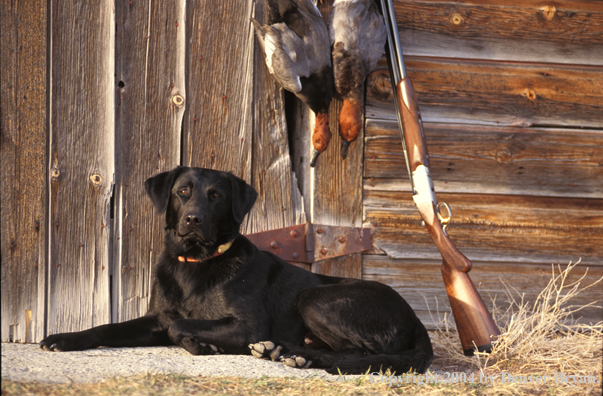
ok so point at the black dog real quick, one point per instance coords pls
(214, 291)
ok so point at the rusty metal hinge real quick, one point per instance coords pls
(308, 243)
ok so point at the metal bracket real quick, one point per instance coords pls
(308, 243)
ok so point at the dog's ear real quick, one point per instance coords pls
(159, 188)
(243, 198)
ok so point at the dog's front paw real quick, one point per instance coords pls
(49, 344)
(63, 342)
(265, 350)
(295, 361)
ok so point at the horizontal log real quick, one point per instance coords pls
(420, 283)
(492, 228)
(491, 160)
(504, 210)
(535, 31)
(495, 93)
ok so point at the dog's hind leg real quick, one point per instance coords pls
(366, 324)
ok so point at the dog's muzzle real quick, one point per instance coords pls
(194, 229)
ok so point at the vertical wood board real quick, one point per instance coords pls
(23, 167)
(337, 187)
(150, 100)
(81, 163)
(279, 203)
(218, 123)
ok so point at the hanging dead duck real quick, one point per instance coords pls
(358, 39)
(297, 51)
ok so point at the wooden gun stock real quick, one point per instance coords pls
(475, 325)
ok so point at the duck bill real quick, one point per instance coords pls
(345, 145)
(320, 137)
(314, 157)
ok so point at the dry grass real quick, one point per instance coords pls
(537, 340)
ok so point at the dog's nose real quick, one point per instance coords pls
(194, 219)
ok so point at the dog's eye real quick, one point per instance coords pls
(215, 195)
(183, 191)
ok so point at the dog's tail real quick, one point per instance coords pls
(417, 359)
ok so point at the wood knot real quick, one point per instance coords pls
(55, 173)
(456, 19)
(549, 12)
(96, 179)
(178, 100)
(380, 86)
(503, 157)
(530, 94)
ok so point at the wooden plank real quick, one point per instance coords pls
(300, 123)
(81, 163)
(218, 126)
(493, 227)
(495, 93)
(336, 196)
(236, 119)
(527, 31)
(279, 203)
(491, 160)
(151, 100)
(23, 167)
(420, 283)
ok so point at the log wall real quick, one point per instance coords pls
(511, 96)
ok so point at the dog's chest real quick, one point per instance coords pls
(195, 296)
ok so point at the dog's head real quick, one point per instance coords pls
(203, 207)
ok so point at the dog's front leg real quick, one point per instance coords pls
(208, 337)
(145, 331)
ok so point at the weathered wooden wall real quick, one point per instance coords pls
(511, 95)
(127, 89)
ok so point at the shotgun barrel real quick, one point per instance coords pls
(475, 325)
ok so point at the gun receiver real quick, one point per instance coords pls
(475, 325)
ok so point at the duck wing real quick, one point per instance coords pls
(304, 18)
(285, 52)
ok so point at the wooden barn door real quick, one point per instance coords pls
(97, 96)
(126, 90)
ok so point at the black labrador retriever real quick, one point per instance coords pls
(215, 292)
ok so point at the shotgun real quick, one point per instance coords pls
(475, 325)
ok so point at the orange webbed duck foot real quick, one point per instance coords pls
(350, 124)
(320, 137)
